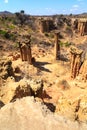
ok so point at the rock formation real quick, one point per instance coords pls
(57, 47)
(26, 114)
(75, 109)
(13, 90)
(75, 61)
(29, 55)
(82, 27)
(25, 50)
(46, 25)
(36, 86)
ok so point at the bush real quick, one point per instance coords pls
(16, 45)
(7, 35)
(46, 34)
(64, 44)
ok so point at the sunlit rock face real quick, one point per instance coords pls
(26, 113)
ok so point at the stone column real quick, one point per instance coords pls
(72, 63)
(24, 52)
(21, 50)
(43, 26)
(29, 54)
(57, 47)
(75, 61)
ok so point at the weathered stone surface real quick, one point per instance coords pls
(46, 25)
(67, 108)
(6, 69)
(26, 114)
(13, 90)
(75, 61)
(82, 113)
(73, 109)
(22, 90)
(36, 87)
(82, 27)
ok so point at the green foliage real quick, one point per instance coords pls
(64, 44)
(3, 32)
(16, 45)
(7, 35)
(68, 28)
(50, 35)
(46, 34)
(11, 26)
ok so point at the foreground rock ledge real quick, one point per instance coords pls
(26, 114)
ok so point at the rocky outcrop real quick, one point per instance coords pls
(82, 27)
(82, 113)
(67, 108)
(75, 61)
(46, 25)
(13, 90)
(73, 109)
(6, 69)
(36, 87)
(26, 114)
(22, 90)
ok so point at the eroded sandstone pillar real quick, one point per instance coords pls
(20, 50)
(57, 47)
(29, 54)
(75, 61)
(24, 52)
(82, 27)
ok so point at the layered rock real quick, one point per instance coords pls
(82, 27)
(75, 61)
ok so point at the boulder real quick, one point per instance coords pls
(26, 114)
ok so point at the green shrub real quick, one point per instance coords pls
(64, 44)
(51, 35)
(11, 26)
(7, 35)
(2, 32)
(46, 34)
(16, 45)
